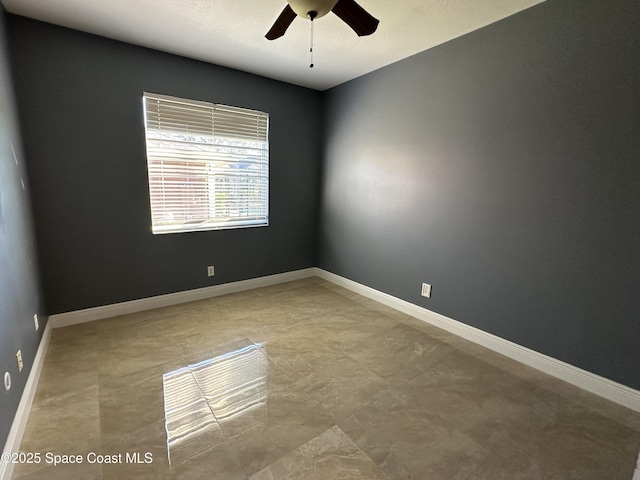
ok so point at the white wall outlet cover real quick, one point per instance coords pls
(19, 358)
(35, 321)
(210, 271)
(426, 290)
(7, 381)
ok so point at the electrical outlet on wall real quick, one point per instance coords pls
(19, 358)
(426, 290)
(35, 321)
(210, 271)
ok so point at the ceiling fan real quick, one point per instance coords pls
(348, 10)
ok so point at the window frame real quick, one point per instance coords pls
(207, 165)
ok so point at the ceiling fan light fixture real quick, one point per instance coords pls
(321, 7)
(356, 17)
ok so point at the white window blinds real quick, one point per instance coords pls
(208, 165)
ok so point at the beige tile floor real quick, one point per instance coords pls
(306, 380)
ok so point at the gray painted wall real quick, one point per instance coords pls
(503, 168)
(20, 295)
(80, 98)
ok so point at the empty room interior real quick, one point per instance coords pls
(418, 259)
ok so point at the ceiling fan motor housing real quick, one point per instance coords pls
(303, 7)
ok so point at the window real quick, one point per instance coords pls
(208, 165)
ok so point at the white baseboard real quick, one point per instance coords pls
(107, 311)
(26, 400)
(591, 382)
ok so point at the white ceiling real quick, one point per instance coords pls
(231, 32)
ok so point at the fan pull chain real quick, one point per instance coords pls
(312, 15)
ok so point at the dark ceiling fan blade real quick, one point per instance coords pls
(282, 23)
(356, 17)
